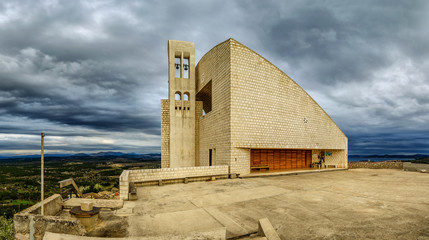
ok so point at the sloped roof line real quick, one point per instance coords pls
(235, 41)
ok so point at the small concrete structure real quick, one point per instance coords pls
(86, 206)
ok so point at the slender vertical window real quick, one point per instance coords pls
(177, 96)
(186, 68)
(177, 66)
(186, 96)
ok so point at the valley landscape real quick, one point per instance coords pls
(20, 176)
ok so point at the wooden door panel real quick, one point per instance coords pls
(264, 157)
(277, 159)
(293, 159)
(298, 159)
(281, 158)
(270, 158)
(308, 159)
(288, 159)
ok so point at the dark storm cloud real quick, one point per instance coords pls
(338, 41)
(91, 73)
(82, 94)
(391, 141)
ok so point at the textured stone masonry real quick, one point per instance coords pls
(377, 165)
(142, 175)
(249, 104)
(255, 105)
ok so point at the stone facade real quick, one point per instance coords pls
(165, 133)
(178, 112)
(244, 102)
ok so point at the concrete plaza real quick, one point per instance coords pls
(352, 204)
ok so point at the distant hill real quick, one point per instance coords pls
(399, 156)
(89, 155)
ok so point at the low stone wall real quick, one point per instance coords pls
(124, 185)
(51, 206)
(35, 226)
(157, 174)
(416, 167)
(29, 224)
(377, 165)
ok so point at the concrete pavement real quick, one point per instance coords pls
(358, 203)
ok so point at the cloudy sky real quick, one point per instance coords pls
(91, 74)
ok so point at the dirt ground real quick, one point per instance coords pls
(352, 204)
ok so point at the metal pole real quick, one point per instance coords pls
(41, 169)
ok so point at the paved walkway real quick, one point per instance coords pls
(353, 204)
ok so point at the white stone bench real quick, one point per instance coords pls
(334, 165)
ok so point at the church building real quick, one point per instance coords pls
(235, 108)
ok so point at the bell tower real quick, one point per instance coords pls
(178, 141)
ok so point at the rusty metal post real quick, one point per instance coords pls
(41, 169)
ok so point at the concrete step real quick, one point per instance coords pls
(233, 229)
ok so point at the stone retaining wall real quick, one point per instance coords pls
(129, 176)
(377, 165)
(124, 185)
(416, 167)
(29, 224)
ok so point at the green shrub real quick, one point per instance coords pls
(6, 228)
(84, 189)
(421, 160)
(98, 187)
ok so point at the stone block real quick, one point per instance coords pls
(265, 229)
(86, 206)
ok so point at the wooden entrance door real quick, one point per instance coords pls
(277, 159)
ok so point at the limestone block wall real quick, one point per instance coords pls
(256, 105)
(171, 173)
(269, 110)
(198, 114)
(215, 126)
(165, 133)
(240, 162)
(132, 176)
(338, 157)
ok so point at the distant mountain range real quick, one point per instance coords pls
(158, 156)
(399, 156)
(86, 155)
